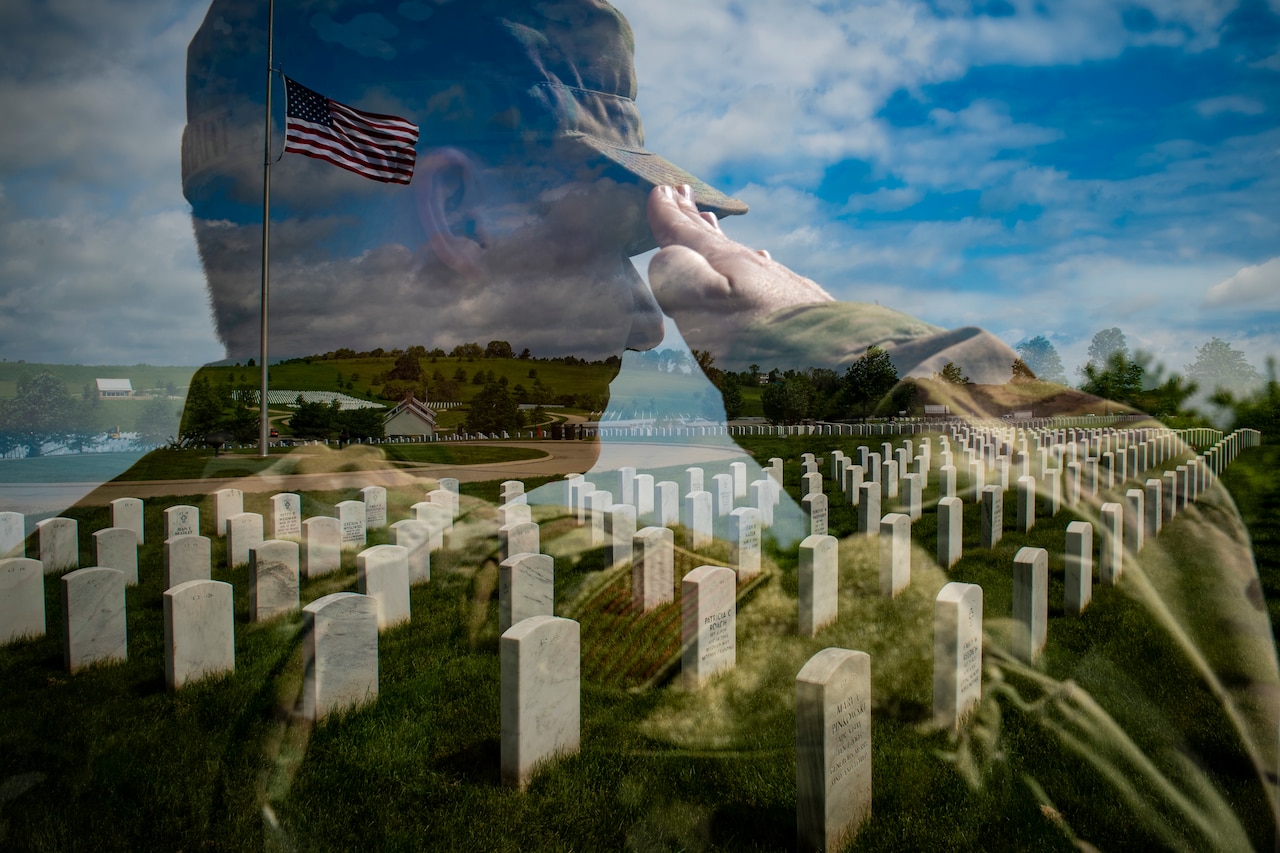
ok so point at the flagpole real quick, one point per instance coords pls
(264, 426)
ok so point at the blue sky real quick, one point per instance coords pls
(1033, 168)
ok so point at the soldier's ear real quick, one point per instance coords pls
(447, 198)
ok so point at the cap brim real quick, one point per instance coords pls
(657, 171)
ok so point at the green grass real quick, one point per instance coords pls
(109, 760)
(144, 377)
(201, 464)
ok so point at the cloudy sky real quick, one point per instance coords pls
(1033, 168)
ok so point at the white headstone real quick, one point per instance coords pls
(746, 539)
(526, 588)
(627, 485)
(957, 654)
(668, 503)
(449, 501)
(12, 535)
(895, 553)
(187, 558)
(721, 496)
(760, 496)
(436, 517)
(59, 544)
(382, 573)
(819, 576)
(913, 494)
(697, 518)
(339, 653)
(125, 512)
(693, 480)
(117, 548)
(599, 504)
(622, 529)
(243, 531)
(449, 484)
(869, 510)
(183, 520)
(653, 569)
(950, 531)
(541, 665)
(1073, 483)
(321, 551)
(199, 631)
(510, 489)
(1030, 603)
(810, 484)
(947, 481)
(852, 484)
(21, 599)
(992, 528)
(833, 749)
(1053, 490)
(738, 470)
(1111, 547)
(226, 503)
(1079, 569)
(708, 619)
(524, 537)
(1155, 517)
(644, 495)
(816, 506)
(273, 576)
(414, 537)
(351, 521)
(286, 516)
(93, 620)
(888, 480)
(1026, 503)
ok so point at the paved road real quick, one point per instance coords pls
(563, 457)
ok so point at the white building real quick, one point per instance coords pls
(410, 417)
(114, 388)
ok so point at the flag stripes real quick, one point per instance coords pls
(377, 146)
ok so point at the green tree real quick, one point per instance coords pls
(788, 401)
(1021, 372)
(492, 410)
(361, 423)
(158, 421)
(1218, 367)
(732, 394)
(42, 411)
(1258, 410)
(203, 411)
(407, 368)
(1042, 358)
(312, 420)
(951, 374)
(1119, 379)
(499, 349)
(1106, 344)
(868, 380)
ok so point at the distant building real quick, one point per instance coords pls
(114, 388)
(411, 417)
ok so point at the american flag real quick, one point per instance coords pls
(376, 146)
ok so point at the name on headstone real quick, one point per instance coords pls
(708, 619)
(833, 749)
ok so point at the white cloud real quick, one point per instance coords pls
(1251, 287)
(1230, 104)
(94, 289)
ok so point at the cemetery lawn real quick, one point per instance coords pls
(202, 464)
(109, 760)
